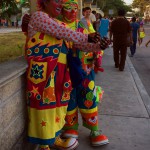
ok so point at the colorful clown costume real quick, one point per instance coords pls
(84, 95)
(48, 80)
(47, 97)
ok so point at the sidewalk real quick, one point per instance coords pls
(124, 114)
(9, 29)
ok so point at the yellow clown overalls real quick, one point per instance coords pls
(48, 88)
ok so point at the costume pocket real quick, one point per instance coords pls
(67, 87)
(37, 71)
(67, 81)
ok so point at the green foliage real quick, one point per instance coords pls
(11, 7)
(140, 4)
(105, 5)
(8, 7)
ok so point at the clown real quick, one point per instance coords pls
(48, 80)
(83, 96)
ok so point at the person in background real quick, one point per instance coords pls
(135, 34)
(48, 81)
(142, 33)
(83, 11)
(86, 21)
(92, 16)
(96, 24)
(147, 43)
(120, 29)
(110, 21)
(84, 93)
(104, 27)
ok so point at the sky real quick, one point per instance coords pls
(128, 1)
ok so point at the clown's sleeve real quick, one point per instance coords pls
(87, 47)
(41, 22)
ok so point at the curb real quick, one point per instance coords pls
(142, 91)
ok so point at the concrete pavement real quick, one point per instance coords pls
(124, 114)
(9, 29)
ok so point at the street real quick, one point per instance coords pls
(141, 61)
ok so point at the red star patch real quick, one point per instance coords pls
(43, 123)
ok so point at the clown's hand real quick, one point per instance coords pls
(104, 43)
(94, 37)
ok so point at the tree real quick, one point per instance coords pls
(141, 4)
(11, 7)
(105, 5)
(8, 7)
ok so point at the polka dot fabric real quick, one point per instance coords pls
(41, 22)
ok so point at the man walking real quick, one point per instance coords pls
(135, 30)
(120, 29)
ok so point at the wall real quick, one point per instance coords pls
(13, 112)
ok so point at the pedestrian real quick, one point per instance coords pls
(104, 27)
(96, 24)
(48, 82)
(86, 21)
(147, 43)
(135, 35)
(120, 29)
(16, 23)
(142, 33)
(83, 95)
(93, 16)
(110, 21)
(82, 12)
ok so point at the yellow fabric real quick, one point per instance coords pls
(47, 39)
(71, 112)
(142, 34)
(44, 121)
(91, 29)
(89, 110)
(91, 85)
(62, 58)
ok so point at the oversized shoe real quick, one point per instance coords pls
(70, 134)
(65, 144)
(44, 148)
(98, 139)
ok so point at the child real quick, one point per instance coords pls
(142, 33)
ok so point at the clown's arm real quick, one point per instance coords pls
(41, 22)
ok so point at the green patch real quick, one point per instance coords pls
(11, 45)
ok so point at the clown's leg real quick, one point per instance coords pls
(71, 127)
(90, 121)
(88, 108)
